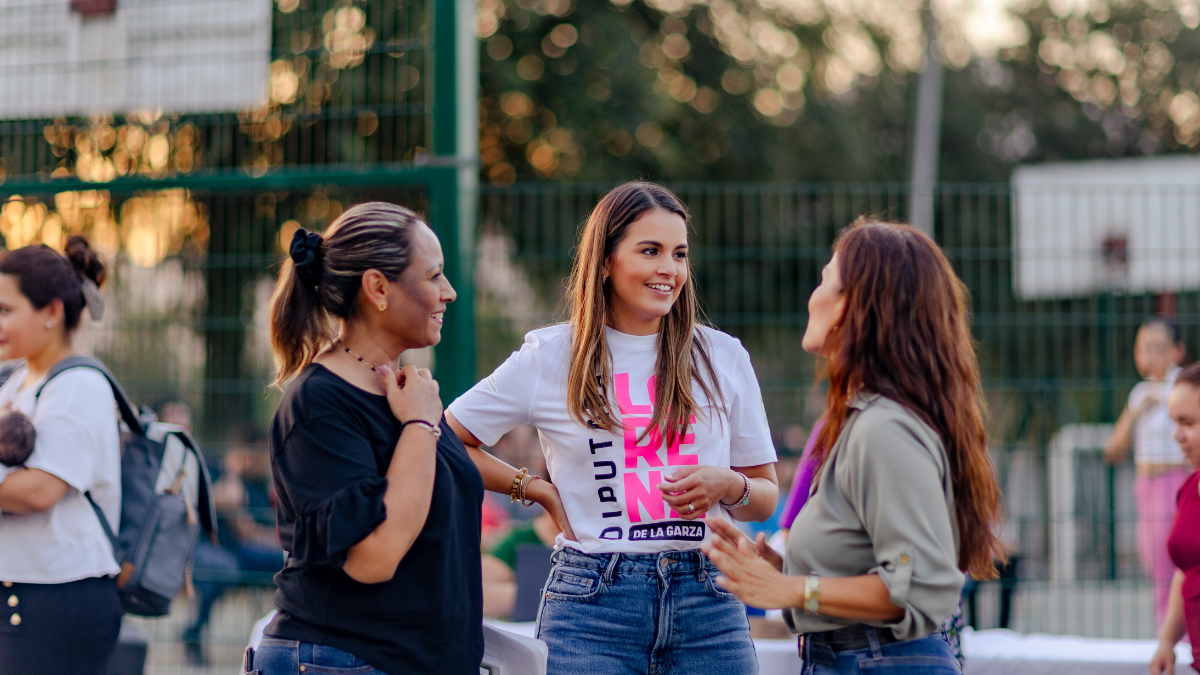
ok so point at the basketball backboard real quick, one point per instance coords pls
(1125, 226)
(64, 59)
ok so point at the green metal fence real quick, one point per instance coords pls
(192, 327)
(1055, 368)
(366, 99)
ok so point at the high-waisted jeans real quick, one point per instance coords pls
(930, 655)
(278, 656)
(642, 614)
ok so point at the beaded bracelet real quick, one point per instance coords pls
(745, 495)
(525, 486)
(428, 426)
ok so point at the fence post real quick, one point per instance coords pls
(453, 190)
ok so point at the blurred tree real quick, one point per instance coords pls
(812, 90)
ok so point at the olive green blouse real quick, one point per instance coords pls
(883, 504)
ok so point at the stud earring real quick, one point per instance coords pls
(382, 306)
(49, 324)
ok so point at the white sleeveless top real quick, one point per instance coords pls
(1153, 431)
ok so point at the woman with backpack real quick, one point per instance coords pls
(653, 428)
(378, 501)
(59, 610)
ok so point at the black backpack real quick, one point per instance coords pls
(165, 501)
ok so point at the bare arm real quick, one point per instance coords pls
(764, 493)
(1122, 438)
(498, 477)
(30, 491)
(1172, 631)
(410, 479)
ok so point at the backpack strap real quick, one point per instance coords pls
(8, 368)
(128, 415)
(204, 504)
(128, 412)
(112, 537)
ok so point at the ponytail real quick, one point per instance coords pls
(321, 278)
(299, 324)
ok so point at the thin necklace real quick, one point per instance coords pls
(343, 344)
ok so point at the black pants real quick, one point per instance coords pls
(58, 629)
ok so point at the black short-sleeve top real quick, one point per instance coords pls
(331, 445)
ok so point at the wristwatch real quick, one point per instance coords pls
(812, 594)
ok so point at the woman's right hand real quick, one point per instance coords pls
(412, 394)
(1163, 661)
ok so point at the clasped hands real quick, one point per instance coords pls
(692, 491)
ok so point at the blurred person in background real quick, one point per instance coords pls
(1145, 425)
(378, 500)
(247, 538)
(1183, 541)
(806, 470)
(629, 591)
(500, 562)
(176, 412)
(905, 493)
(61, 613)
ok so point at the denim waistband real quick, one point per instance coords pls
(678, 562)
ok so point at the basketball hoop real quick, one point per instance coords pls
(94, 7)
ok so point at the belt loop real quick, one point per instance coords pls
(873, 639)
(701, 573)
(610, 573)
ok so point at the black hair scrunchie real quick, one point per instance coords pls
(306, 255)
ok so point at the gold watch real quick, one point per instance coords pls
(812, 594)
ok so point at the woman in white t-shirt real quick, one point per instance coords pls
(652, 425)
(59, 610)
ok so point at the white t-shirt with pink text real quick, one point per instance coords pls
(608, 482)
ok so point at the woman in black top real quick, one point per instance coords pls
(379, 504)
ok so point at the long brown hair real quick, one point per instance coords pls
(905, 334)
(682, 350)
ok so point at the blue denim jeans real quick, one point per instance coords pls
(276, 656)
(642, 614)
(930, 655)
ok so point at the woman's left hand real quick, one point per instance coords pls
(693, 490)
(752, 579)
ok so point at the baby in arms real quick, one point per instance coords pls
(17, 436)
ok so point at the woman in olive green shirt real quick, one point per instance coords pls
(905, 497)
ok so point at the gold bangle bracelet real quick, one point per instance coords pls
(516, 485)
